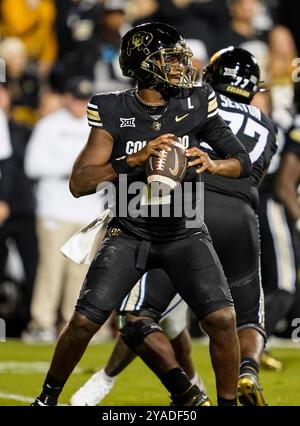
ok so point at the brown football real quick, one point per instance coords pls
(167, 170)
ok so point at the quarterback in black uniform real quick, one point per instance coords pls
(157, 56)
(230, 216)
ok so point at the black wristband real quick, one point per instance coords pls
(120, 165)
(246, 165)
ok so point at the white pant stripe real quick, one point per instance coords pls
(142, 292)
(286, 269)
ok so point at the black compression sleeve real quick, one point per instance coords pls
(246, 165)
(219, 136)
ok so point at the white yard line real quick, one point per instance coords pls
(19, 367)
(15, 397)
(273, 342)
(21, 398)
(278, 343)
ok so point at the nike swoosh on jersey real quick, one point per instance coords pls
(177, 118)
(175, 171)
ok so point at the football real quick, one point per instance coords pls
(168, 170)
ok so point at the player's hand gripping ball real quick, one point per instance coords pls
(164, 173)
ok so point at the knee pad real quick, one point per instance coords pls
(98, 316)
(256, 326)
(134, 333)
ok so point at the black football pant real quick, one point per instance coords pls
(234, 230)
(191, 264)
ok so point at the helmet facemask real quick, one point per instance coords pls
(171, 67)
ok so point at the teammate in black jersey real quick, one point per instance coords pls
(230, 216)
(288, 175)
(287, 191)
(279, 216)
(157, 56)
(237, 205)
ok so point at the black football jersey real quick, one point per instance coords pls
(287, 142)
(267, 187)
(257, 133)
(192, 116)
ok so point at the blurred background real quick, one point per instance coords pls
(56, 54)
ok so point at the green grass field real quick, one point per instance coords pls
(23, 367)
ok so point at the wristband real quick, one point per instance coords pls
(245, 163)
(120, 165)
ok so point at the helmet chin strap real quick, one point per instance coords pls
(167, 90)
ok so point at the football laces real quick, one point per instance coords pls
(162, 160)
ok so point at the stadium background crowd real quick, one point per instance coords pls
(56, 54)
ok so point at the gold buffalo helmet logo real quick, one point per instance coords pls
(114, 232)
(139, 41)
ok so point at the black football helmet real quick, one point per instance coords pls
(233, 71)
(157, 55)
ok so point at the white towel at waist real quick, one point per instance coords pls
(82, 246)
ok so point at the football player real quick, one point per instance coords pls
(164, 103)
(230, 207)
(279, 216)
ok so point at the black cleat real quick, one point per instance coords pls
(192, 397)
(38, 403)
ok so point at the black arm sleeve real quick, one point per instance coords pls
(5, 179)
(220, 137)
